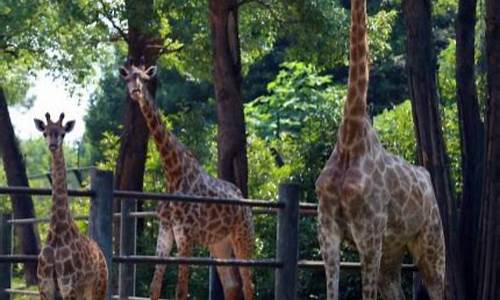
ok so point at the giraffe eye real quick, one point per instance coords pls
(63, 135)
(44, 134)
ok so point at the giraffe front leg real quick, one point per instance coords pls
(163, 247)
(184, 250)
(330, 237)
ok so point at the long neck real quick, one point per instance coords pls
(60, 208)
(355, 106)
(173, 153)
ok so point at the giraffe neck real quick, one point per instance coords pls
(358, 61)
(355, 106)
(61, 215)
(173, 154)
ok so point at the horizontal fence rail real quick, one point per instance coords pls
(272, 206)
(195, 199)
(37, 294)
(344, 265)
(202, 261)
(139, 259)
(148, 214)
(13, 190)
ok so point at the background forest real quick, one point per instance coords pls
(293, 81)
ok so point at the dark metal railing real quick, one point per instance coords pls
(101, 217)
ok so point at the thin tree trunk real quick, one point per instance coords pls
(421, 66)
(22, 205)
(232, 157)
(130, 166)
(471, 139)
(488, 266)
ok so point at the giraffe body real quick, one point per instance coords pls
(70, 262)
(376, 200)
(224, 229)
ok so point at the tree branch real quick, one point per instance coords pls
(161, 49)
(10, 51)
(106, 14)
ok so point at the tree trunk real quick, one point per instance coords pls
(471, 139)
(22, 205)
(421, 66)
(489, 239)
(232, 162)
(232, 157)
(129, 172)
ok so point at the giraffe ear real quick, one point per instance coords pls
(39, 125)
(123, 72)
(151, 71)
(69, 126)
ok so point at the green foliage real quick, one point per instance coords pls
(395, 130)
(298, 96)
(44, 35)
(297, 120)
(321, 34)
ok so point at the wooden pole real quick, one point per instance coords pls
(126, 272)
(5, 249)
(287, 237)
(101, 215)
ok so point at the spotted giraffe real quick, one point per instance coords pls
(375, 199)
(224, 229)
(70, 262)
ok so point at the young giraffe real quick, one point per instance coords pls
(223, 228)
(70, 262)
(374, 199)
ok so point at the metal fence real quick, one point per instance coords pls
(101, 194)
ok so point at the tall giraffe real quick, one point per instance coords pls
(223, 228)
(70, 261)
(373, 198)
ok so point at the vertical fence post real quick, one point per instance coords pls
(101, 215)
(287, 237)
(5, 249)
(128, 232)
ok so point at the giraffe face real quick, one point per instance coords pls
(136, 78)
(54, 132)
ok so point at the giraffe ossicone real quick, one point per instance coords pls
(225, 229)
(381, 203)
(69, 262)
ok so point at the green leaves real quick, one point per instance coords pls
(298, 97)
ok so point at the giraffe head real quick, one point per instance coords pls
(54, 132)
(136, 78)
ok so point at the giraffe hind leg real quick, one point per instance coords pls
(389, 281)
(184, 250)
(428, 252)
(243, 244)
(368, 238)
(47, 283)
(227, 275)
(47, 288)
(330, 237)
(101, 286)
(163, 248)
